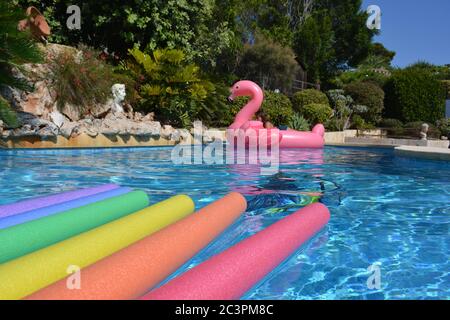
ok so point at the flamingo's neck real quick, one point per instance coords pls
(250, 109)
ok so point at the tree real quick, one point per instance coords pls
(269, 63)
(16, 48)
(352, 39)
(333, 37)
(117, 25)
(379, 50)
(313, 47)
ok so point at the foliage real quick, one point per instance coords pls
(171, 87)
(303, 98)
(351, 38)
(81, 80)
(414, 94)
(359, 123)
(313, 45)
(16, 48)
(117, 25)
(443, 125)
(446, 84)
(385, 56)
(276, 107)
(369, 95)
(299, 123)
(7, 115)
(380, 77)
(390, 123)
(269, 63)
(334, 37)
(344, 108)
(317, 113)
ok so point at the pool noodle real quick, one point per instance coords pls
(41, 202)
(31, 236)
(25, 275)
(230, 274)
(131, 272)
(57, 208)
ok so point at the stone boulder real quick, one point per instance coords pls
(39, 102)
(58, 118)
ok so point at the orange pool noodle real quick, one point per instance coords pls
(133, 271)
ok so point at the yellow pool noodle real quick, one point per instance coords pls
(25, 275)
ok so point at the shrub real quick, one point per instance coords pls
(276, 106)
(443, 126)
(308, 96)
(343, 109)
(299, 123)
(171, 87)
(391, 123)
(414, 94)
(413, 129)
(359, 123)
(369, 95)
(316, 112)
(8, 116)
(16, 48)
(82, 80)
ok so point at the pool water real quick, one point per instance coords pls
(385, 210)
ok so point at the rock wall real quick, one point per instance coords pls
(40, 118)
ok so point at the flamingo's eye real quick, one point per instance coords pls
(237, 87)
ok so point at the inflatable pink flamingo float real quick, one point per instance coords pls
(287, 138)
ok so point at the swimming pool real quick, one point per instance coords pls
(384, 209)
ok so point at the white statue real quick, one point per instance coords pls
(119, 94)
(424, 131)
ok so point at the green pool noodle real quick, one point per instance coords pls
(28, 237)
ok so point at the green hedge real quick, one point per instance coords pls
(370, 95)
(447, 87)
(391, 123)
(316, 113)
(303, 98)
(443, 125)
(414, 95)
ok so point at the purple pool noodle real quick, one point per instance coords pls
(57, 208)
(37, 203)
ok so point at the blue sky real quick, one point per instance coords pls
(415, 29)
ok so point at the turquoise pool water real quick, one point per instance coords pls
(385, 209)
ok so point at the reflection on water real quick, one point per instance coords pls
(384, 209)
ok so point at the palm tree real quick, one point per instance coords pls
(16, 48)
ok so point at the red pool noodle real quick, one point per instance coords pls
(230, 274)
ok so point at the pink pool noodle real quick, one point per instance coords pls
(230, 274)
(36, 203)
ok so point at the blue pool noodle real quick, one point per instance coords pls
(57, 208)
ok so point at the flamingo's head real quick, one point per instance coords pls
(244, 88)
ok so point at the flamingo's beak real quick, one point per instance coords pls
(230, 99)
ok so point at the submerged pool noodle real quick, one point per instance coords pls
(230, 274)
(57, 208)
(31, 236)
(133, 271)
(36, 203)
(25, 275)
